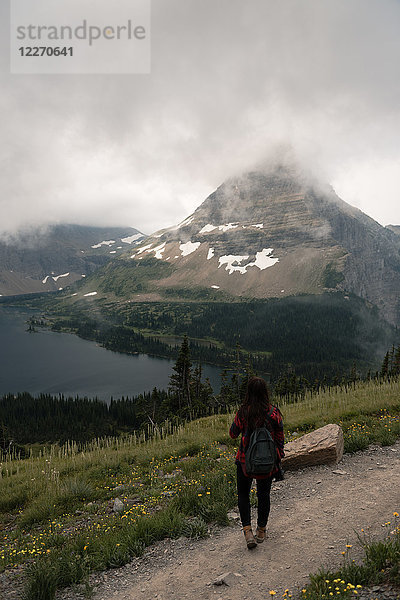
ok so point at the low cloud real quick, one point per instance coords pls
(230, 82)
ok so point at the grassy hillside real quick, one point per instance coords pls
(57, 506)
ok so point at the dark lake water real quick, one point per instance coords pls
(61, 363)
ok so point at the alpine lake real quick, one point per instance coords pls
(54, 363)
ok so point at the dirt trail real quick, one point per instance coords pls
(315, 513)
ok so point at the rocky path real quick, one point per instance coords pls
(315, 513)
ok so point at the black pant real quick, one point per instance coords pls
(263, 496)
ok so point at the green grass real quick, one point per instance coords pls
(56, 507)
(380, 564)
(351, 403)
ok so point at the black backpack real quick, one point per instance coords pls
(261, 456)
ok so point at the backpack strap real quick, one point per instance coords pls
(269, 415)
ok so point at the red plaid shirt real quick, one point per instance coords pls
(274, 424)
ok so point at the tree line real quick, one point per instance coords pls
(315, 337)
(25, 419)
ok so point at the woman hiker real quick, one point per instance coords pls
(255, 411)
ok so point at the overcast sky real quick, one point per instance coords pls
(230, 80)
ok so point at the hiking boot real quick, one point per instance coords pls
(249, 537)
(260, 534)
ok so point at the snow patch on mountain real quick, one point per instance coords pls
(263, 261)
(232, 263)
(148, 249)
(186, 222)
(260, 225)
(90, 294)
(131, 238)
(104, 243)
(182, 224)
(210, 253)
(142, 250)
(57, 277)
(228, 226)
(209, 228)
(215, 287)
(158, 250)
(188, 248)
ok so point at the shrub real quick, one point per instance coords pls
(40, 510)
(41, 581)
(356, 440)
(217, 512)
(13, 498)
(191, 448)
(188, 502)
(195, 528)
(74, 491)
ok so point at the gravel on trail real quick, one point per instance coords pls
(315, 513)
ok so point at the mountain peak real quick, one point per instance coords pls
(272, 232)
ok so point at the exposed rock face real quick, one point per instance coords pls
(371, 266)
(394, 228)
(43, 261)
(322, 446)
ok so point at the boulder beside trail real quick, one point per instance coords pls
(322, 446)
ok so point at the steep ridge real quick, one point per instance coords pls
(42, 261)
(268, 234)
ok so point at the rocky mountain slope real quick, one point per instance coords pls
(47, 261)
(266, 234)
(394, 228)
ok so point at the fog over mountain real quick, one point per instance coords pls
(51, 258)
(269, 233)
(229, 82)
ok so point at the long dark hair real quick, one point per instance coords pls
(256, 403)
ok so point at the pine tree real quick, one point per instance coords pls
(225, 397)
(207, 394)
(248, 374)
(391, 360)
(180, 380)
(396, 362)
(196, 382)
(236, 376)
(385, 366)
